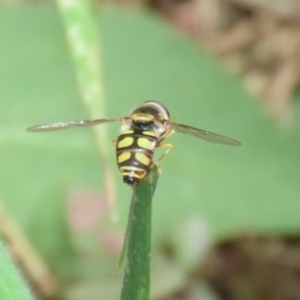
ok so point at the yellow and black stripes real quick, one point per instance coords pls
(135, 149)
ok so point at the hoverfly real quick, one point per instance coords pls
(143, 130)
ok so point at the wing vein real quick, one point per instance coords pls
(69, 124)
(205, 135)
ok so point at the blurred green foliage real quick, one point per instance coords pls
(251, 188)
(12, 286)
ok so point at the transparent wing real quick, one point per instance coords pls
(69, 124)
(205, 135)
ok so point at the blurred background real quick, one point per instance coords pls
(226, 220)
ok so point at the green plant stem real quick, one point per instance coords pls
(81, 29)
(136, 281)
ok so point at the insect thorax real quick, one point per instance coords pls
(150, 116)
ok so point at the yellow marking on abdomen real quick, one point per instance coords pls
(133, 171)
(135, 175)
(131, 168)
(143, 159)
(129, 131)
(125, 142)
(149, 133)
(123, 157)
(145, 143)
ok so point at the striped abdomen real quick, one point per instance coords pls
(135, 149)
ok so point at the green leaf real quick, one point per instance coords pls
(57, 248)
(12, 286)
(136, 282)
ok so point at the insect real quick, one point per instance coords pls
(142, 131)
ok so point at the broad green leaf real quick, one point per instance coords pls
(49, 228)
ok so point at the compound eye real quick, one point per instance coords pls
(132, 181)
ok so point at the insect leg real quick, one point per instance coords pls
(169, 146)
